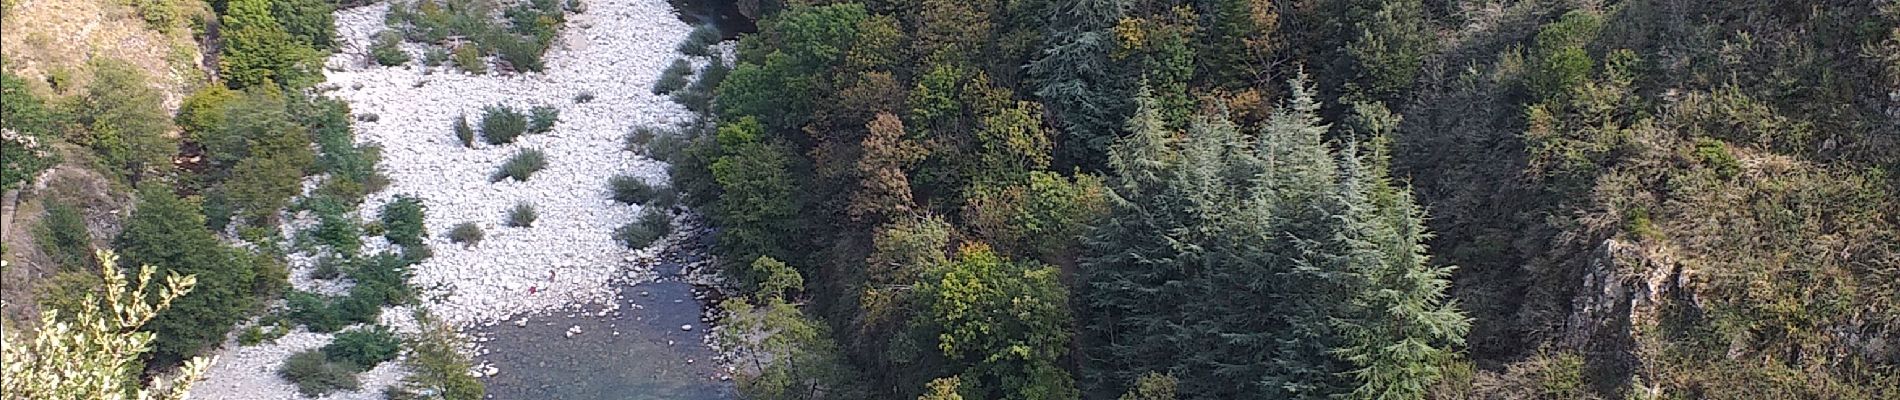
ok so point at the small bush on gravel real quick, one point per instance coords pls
(338, 230)
(434, 57)
(463, 132)
(388, 49)
(363, 348)
(541, 119)
(630, 190)
(699, 43)
(653, 225)
(469, 58)
(673, 78)
(698, 97)
(523, 165)
(402, 221)
(584, 97)
(316, 376)
(521, 54)
(501, 125)
(522, 215)
(328, 267)
(641, 136)
(466, 233)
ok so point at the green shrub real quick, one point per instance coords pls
(1716, 155)
(62, 235)
(338, 230)
(522, 215)
(259, 50)
(521, 54)
(653, 225)
(265, 331)
(698, 97)
(309, 20)
(463, 132)
(363, 348)
(434, 57)
(501, 125)
(638, 140)
(403, 222)
(523, 165)
(383, 279)
(316, 376)
(674, 77)
(124, 121)
(437, 365)
(466, 233)
(541, 119)
(699, 43)
(469, 58)
(388, 50)
(327, 267)
(630, 190)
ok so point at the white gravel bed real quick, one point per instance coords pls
(615, 51)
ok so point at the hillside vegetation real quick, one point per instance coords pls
(1311, 199)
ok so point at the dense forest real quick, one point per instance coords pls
(1034, 199)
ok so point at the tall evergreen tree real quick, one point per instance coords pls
(1085, 92)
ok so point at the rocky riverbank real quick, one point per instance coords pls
(567, 261)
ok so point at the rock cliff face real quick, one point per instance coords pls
(1623, 296)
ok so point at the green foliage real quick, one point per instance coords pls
(501, 125)
(1715, 154)
(522, 215)
(23, 152)
(521, 166)
(436, 365)
(166, 230)
(541, 119)
(123, 122)
(1007, 321)
(463, 132)
(1153, 386)
(466, 233)
(95, 353)
(62, 236)
(336, 229)
(653, 225)
(804, 361)
(631, 190)
(259, 50)
(521, 54)
(388, 50)
(310, 21)
(698, 96)
(759, 205)
(673, 78)
(203, 112)
(402, 221)
(434, 57)
(363, 348)
(379, 280)
(468, 57)
(1558, 60)
(1389, 49)
(699, 43)
(1044, 219)
(316, 376)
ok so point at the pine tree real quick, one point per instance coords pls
(1086, 93)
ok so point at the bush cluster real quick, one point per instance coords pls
(463, 132)
(381, 280)
(519, 39)
(523, 165)
(522, 215)
(699, 42)
(699, 97)
(388, 50)
(541, 119)
(466, 233)
(631, 190)
(501, 125)
(403, 222)
(62, 235)
(316, 376)
(363, 348)
(674, 77)
(653, 225)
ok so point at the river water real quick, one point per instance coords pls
(641, 352)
